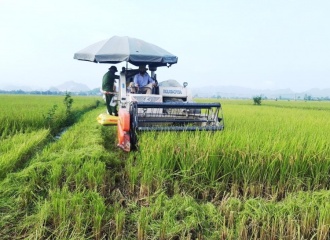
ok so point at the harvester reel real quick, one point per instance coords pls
(175, 116)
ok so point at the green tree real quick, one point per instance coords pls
(257, 100)
(68, 101)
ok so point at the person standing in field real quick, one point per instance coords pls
(108, 88)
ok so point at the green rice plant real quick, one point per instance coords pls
(69, 215)
(58, 192)
(323, 228)
(178, 217)
(264, 177)
(142, 224)
(311, 105)
(119, 221)
(98, 214)
(25, 113)
(253, 153)
(14, 151)
(49, 117)
(33, 184)
(95, 173)
(133, 175)
(294, 218)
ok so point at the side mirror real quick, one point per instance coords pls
(185, 84)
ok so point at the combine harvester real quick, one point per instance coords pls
(170, 107)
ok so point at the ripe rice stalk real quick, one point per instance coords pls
(14, 151)
(323, 223)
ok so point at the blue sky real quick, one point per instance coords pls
(260, 44)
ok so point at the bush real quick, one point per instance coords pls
(257, 100)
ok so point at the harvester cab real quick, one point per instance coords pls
(170, 107)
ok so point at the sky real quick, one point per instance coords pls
(258, 44)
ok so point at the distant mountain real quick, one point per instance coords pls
(238, 92)
(318, 92)
(71, 86)
(53, 89)
(243, 92)
(13, 88)
(206, 91)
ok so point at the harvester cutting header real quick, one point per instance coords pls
(167, 106)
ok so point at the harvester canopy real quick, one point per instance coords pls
(119, 49)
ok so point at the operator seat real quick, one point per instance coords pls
(143, 90)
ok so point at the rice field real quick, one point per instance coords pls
(26, 113)
(265, 177)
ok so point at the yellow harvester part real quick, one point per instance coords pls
(106, 119)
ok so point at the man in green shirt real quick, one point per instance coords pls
(108, 88)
